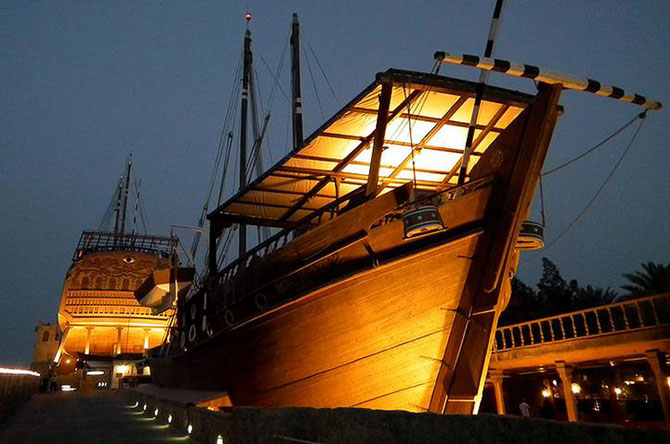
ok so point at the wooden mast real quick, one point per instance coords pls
(122, 199)
(126, 188)
(465, 360)
(246, 73)
(296, 103)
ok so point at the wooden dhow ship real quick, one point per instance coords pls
(395, 253)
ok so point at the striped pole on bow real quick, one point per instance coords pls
(548, 76)
(483, 76)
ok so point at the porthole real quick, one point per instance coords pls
(261, 301)
(229, 318)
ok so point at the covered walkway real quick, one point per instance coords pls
(613, 355)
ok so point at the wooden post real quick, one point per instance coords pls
(296, 102)
(466, 356)
(497, 379)
(246, 75)
(565, 372)
(380, 134)
(654, 359)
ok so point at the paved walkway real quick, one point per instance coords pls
(73, 418)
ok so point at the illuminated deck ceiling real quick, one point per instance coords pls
(427, 112)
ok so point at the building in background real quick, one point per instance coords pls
(47, 340)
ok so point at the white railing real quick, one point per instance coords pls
(629, 315)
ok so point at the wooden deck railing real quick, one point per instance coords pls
(629, 315)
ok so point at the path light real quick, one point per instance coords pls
(545, 393)
(189, 429)
(156, 412)
(219, 439)
(144, 408)
(576, 388)
(169, 419)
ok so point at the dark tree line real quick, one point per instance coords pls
(554, 295)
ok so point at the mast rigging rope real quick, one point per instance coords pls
(596, 146)
(595, 196)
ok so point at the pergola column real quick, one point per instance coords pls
(565, 373)
(87, 348)
(654, 359)
(118, 340)
(497, 380)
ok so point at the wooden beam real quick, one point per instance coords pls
(426, 119)
(466, 355)
(488, 128)
(386, 142)
(378, 142)
(438, 125)
(351, 156)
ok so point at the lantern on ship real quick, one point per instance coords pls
(531, 236)
(421, 219)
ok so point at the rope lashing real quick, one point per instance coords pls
(548, 76)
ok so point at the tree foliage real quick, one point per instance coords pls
(653, 279)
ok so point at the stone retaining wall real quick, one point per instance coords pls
(348, 425)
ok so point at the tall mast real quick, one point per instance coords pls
(296, 103)
(126, 189)
(246, 74)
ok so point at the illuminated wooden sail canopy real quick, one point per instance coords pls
(427, 124)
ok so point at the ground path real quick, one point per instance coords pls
(73, 418)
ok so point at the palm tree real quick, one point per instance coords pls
(587, 297)
(654, 279)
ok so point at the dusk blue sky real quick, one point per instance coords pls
(85, 82)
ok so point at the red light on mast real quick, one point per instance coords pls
(248, 16)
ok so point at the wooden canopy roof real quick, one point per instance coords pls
(426, 112)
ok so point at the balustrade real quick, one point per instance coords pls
(629, 315)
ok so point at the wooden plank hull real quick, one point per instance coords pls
(373, 340)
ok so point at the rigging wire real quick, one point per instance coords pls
(106, 219)
(595, 196)
(323, 72)
(596, 146)
(311, 76)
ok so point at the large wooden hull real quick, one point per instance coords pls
(373, 340)
(352, 313)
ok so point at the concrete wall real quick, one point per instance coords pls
(15, 389)
(346, 425)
